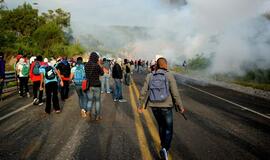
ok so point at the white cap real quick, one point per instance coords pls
(32, 59)
(46, 60)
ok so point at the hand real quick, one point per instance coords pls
(140, 110)
(61, 83)
(40, 88)
(182, 109)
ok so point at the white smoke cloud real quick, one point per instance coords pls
(234, 30)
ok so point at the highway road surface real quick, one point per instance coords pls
(222, 124)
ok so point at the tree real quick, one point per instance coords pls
(22, 20)
(58, 16)
(47, 35)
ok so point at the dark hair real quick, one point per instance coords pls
(39, 58)
(104, 59)
(158, 65)
(79, 60)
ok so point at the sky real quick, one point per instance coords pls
(85, 13)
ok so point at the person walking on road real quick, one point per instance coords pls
(78, 75)
(117, 75)
(105, 81)
(64, 68)
(49, 76)
(127, 72)
(36, 79)
(93, 71)
(161, 94)
(22, 69)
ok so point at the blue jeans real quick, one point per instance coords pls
(164, 118)
(94, 99)
(82, 97)
(118, 89)
(105, 83)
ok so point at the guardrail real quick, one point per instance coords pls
(10, 76)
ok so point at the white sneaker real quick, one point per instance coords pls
(28, 95)
(35, 100)
(122, 100)
(40, 104)
(115, 100)
(164, 154)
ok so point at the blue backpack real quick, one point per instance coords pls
(79, 74)
(36, 67)
(159, 86)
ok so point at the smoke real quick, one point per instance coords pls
(234, 33)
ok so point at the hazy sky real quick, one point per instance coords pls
(102, 12)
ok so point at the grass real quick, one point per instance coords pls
(261, 86)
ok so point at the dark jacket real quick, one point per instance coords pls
(117, 72)
(93, 71)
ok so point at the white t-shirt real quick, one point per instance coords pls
(20, 67)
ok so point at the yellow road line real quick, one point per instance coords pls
(145, 153)
(150, 124)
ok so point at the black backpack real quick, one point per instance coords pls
(65, 70)
(49, 73)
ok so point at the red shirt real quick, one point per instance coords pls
(35, 78)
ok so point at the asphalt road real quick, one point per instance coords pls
(215, 129)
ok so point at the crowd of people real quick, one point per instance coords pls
(92, 78)
(54, 76)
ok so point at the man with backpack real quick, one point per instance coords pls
(93, 71)
(49, 76)
(127, 71)
(36, 79)
(64, 68)
(105, 81)
(161, 93)
(22, 69)
(78, 75)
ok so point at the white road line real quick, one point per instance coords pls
(16, 111)
(238, 105)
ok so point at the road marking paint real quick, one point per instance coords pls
(145, 152)
(16, 111)
(238, 105)
(150, 124)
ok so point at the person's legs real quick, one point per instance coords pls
(55, 96)
(167, 132)
(120, 89)
(97, 97)
(90, 97)
(40, 96)
(48, 88)
(103, 78)
(66, 91)
(36, 85)
(157, 115)
(62, 92)
(116, 89)
(107, 82)
(128, 79)
(26, 79)
(21, 85)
